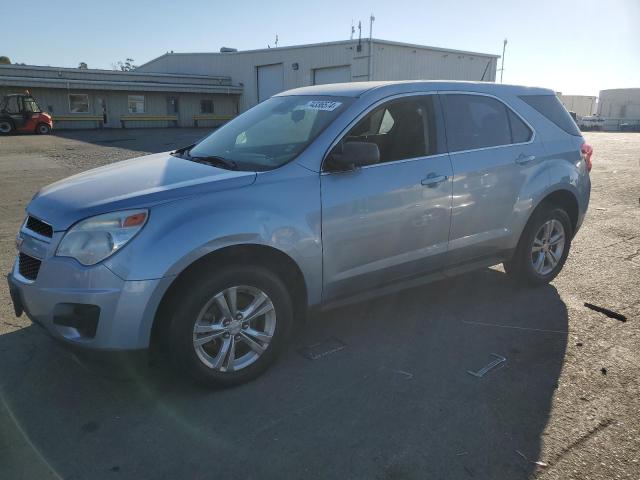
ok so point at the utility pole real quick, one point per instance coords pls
(504, 47)
(353, 29)
(371, 20)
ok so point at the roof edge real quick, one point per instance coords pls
(100, 71)
(337, 42)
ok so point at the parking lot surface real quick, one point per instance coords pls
(374, 390)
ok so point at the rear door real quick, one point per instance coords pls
(494, 152)
(389, 221)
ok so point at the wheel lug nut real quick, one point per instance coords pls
(237, 337)
(226, 322)
(239, 316)
(225, 334)
(245, 326)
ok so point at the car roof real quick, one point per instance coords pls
(357, 89)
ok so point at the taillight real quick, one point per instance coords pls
(587, 150)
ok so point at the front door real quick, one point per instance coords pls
(388, 221)
(102, 110)
(172, 106)
(493, 153)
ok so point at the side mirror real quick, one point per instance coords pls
(353, 155)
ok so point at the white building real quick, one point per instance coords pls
(262, 73)
(582, 105)
(620, 103)
(620, 108)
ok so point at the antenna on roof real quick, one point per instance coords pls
(504, 47)
(353, 29)
(276, 40)
(371, 20)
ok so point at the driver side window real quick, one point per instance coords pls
(402, 129)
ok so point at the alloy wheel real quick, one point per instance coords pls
(234, 328)
(5, 127)
(548, 245)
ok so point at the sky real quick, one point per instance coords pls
(572, 46)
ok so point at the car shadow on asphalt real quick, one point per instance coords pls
(387, 395)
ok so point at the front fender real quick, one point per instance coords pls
(280, 210)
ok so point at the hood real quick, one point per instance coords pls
(135, 183)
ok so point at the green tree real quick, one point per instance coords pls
(125, 66)
(5, 60)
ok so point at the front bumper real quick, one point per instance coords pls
(88, 307)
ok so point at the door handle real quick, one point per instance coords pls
(432, 180)
(523, 159)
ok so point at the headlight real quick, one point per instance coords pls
(94, 239)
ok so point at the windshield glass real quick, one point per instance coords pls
(272, 133)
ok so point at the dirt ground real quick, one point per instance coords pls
(391, 399)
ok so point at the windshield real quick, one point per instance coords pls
(272, 133)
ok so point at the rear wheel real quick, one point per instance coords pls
(543, 247)
(43, 129)
(229, 328)
(6, 127)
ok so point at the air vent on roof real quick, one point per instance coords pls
(228, 50)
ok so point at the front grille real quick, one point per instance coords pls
(39, 227)
(28, 266)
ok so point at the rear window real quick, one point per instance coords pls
(553, 110)
(475, 121)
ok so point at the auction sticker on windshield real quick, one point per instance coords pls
(325, 105)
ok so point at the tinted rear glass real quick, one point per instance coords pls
(475, 121)
(520, 133)
(550, 107)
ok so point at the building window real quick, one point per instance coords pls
(78, 103)
(136, 103)
(206, 106)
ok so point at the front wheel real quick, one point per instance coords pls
(43, 129)
(6, 127)
(228, 328)
(543, 247)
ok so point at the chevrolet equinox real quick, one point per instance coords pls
(316, 197)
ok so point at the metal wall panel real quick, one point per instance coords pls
(619, 103)
(392, 61)
(582, 105)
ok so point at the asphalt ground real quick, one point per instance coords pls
(376, 390)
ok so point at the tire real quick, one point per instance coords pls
(541, 266)
(200, 303)
(6, 127)
(43, 129)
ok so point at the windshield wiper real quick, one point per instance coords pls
(215, 161)
(212, 160)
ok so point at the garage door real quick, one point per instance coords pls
(332, 75)
(270, 80)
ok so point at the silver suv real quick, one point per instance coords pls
(316, 197)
